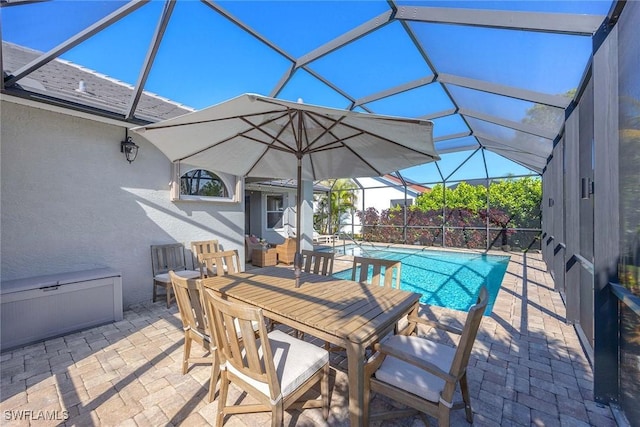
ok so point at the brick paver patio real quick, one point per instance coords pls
(527, 368)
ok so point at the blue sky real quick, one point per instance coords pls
(205, 58)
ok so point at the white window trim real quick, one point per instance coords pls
(266, 211)
(236, 189)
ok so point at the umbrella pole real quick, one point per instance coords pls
(299, 208)
(297, 258)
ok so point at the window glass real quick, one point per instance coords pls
(400, 202)
(204, 183)
(275, 210)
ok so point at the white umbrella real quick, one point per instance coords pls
(258, 136)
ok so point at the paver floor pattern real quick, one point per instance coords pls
(527, 368)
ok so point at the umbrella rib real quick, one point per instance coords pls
(363, 131)
(268, 144)
(271, 144)
(284, 147)
(327, 130)
(199, 122)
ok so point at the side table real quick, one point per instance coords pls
(264, 257)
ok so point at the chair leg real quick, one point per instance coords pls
(324, 392)
(443, 416)
(155, 291)
(464, 389)
(277, 414)
(187, 353)
(215, 375)
(222, 398)
(169, 288)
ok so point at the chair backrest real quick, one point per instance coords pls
(469, 332)
(167, 257)
(251, 357)
(189, 303)
(203, 247)
(220, 263)
(391, 271)
(251, 242)
(318, 262)
(286, 250)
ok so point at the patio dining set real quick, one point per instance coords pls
(233, 315)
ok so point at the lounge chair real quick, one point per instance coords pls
(286, 251)
(250, 243)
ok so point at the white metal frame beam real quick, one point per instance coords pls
(519, 126)
(216, 7)
(348, 37)
(584, 25)
(395, 90)
(151, 55)
(75, 40)
(557, 101)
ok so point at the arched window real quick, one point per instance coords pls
(201, 182)
(202, 185)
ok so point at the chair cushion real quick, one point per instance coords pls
(187, 274)
(295, 361)
(411, 378)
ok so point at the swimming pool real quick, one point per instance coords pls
(444, 278)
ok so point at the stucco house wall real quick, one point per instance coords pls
(258, 214)
(380, 198)
(375, 196)
(70, 201)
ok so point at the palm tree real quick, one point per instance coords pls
(332, 206)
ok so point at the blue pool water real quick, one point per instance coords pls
(445, 279)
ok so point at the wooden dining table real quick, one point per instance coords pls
(349, 314)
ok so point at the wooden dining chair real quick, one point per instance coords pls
(390, 269)
(194, 324)
(317, 262)
(423, 374)
(220, 263)
(276, 368)
(203, 247)
(163, 259)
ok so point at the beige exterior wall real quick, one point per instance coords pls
(70, 201)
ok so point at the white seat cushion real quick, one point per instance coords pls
(408, 377)
(187, 274)
(295, 361)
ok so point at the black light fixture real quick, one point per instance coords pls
(586, 188)
(129, 148)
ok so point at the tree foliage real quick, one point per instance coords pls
(331, 207)
(513, 203)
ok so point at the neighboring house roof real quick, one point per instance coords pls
(413, 190)
(71, 82)
(419, 189)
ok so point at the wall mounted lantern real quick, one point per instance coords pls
(129, 148)
(586, 188)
